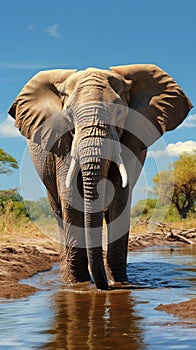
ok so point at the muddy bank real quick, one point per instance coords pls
(184, 310)
(21, 262)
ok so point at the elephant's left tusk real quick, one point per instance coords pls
(123, 171)
(71, 172)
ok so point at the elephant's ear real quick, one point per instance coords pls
(155, 95)
(39, 100)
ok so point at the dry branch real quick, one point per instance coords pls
(171, 232)
(180, 237)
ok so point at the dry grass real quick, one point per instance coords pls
(16, 234)
(17, 231)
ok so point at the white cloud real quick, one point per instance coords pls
(174, 149)
(189, 122)
(53, 31)
(7, 128)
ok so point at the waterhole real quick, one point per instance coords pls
(58, 317)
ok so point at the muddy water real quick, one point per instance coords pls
(82, 318)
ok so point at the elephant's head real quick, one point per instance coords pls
(133, 105)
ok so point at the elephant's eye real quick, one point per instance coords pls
(64, 96)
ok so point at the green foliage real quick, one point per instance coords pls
(11, 206)
(179, 184)
(176, 186)
(39, 209)
(11, 200)
(144, 207)
(7, 162)
(12, 210)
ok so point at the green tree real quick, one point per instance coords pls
(38, 209)
(11, 200)
(7, 162)
(179, 183)
(144, 207)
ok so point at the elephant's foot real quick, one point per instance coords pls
(72, 276)
(121, 285)
(116, 275)
(74, 265)
(117, 279)
(117, 259)
(121, 278)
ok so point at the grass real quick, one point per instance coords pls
(14, 231)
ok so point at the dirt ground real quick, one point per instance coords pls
(184, 310)
(24, 260)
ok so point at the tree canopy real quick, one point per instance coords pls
(179, 183)
(7, 162)
(12, 201)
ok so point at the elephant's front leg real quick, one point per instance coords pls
(117, 259)
(118, 223)
(74, 261)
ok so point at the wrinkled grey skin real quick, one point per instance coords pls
(93, 143)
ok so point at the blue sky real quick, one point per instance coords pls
(42, 35)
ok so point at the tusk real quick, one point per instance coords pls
(123, 171)
(71, 172)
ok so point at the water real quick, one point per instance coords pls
(82, 318)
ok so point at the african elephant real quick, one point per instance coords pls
(88, 132)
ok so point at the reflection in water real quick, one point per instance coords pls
(93, 320)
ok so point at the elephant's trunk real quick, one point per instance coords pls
(94, 172)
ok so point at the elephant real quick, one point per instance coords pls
(88, 132)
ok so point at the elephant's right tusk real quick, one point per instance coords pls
(71, 172)
(123, 171)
